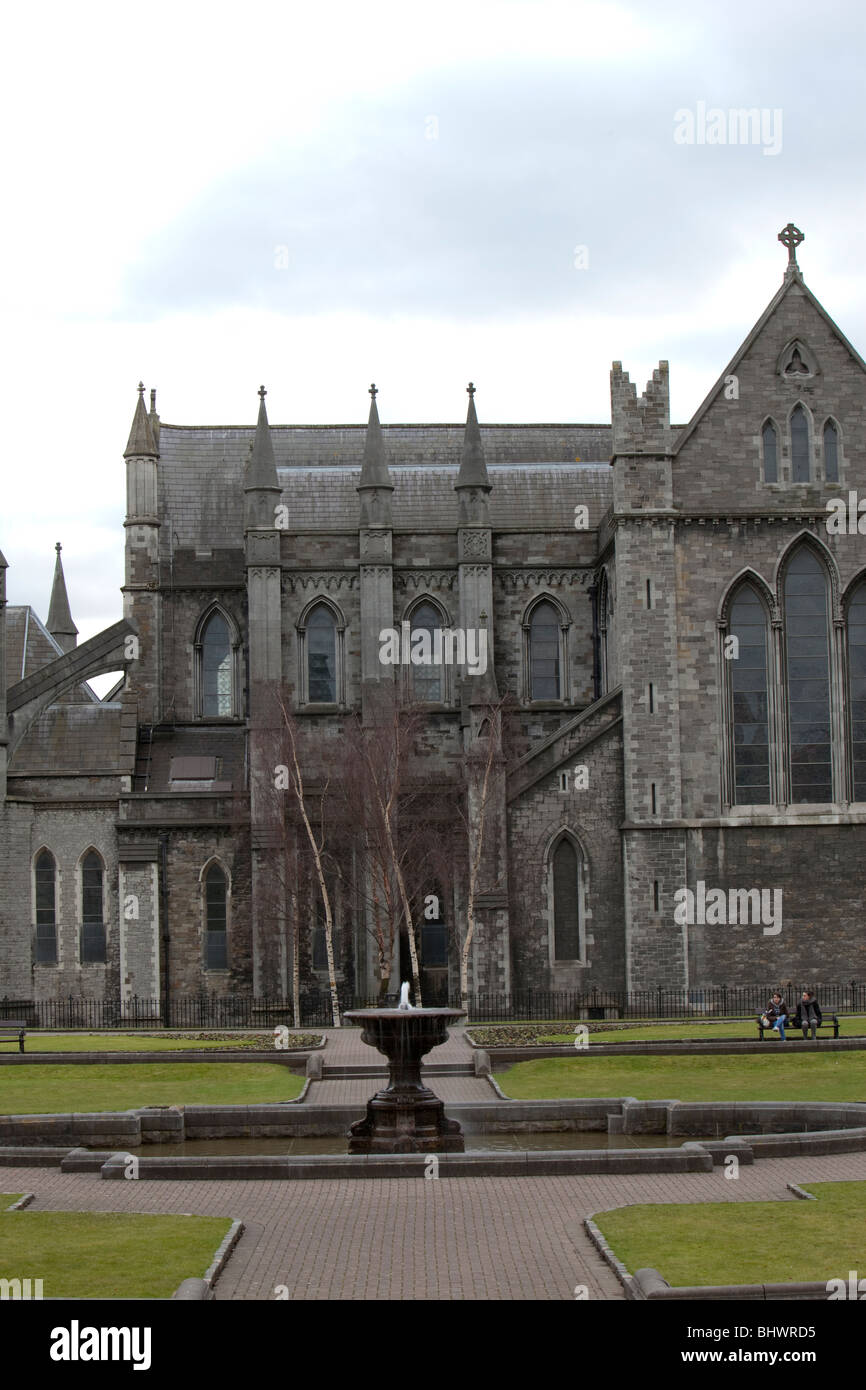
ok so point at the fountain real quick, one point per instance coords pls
(405, 1117)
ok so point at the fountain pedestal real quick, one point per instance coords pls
(405, 1117)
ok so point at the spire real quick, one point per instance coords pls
(261, 469)
(473, 469)
(141, 443)
(374, 470)
(60, 623)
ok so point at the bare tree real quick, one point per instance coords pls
(294, 781)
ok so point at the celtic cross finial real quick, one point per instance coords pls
(791, 237)
(374, 390)
(471, 389)
(262, 393)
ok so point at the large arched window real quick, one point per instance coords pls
(45, 896)
(807, 646)
(857, 689)
(603, 628)
(216, 955)
(427, 677)
(92, 910)
(831, 452)
(320, 653)
(545, 628)
(566, 893)
(769, 445)
(800, 469)
(749, 698)
(216, 653)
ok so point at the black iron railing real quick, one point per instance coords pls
(208, 1011)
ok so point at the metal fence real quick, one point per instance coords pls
(248, 1011)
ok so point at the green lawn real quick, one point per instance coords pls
(745, 1242)
(7, 1198)
(702, 1032)
(147, 1042)
(830, 1076)
(48, 1089)
(106, 1254)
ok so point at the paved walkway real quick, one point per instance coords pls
(418, 1238)
(463, 1238)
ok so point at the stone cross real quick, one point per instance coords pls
(374, 390)
(791, 237)
(471, 389)
(262, 393)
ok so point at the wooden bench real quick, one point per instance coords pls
(12, 1028)
(827, 1022)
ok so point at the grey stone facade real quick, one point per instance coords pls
(630, 764)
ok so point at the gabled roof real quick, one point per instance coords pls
(792, 277)
(30, 646)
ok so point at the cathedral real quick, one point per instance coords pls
(650, 638)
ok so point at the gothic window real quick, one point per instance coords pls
(216, 668)
(603, 629)
(45, 893)
(831, 452)
(320, 638)
(92, 910)
(857, 689)
(434, 934)
(428, 683)
(749, 699)
(800, 470)
(807, 641)
(215, 918)
(565, 865)
(769, 442)
(545, 629)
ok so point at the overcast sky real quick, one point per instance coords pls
(210, 196)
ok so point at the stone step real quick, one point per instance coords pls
(346, 1071)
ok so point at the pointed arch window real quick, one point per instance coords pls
(45, 904)
(567, 906)
(857, 689)
(320, 642)
(92, 909)
(769, 442)
(831, 452)
(427, 678)
(800, 470)
(216, 918)
(217, 668)
(807, 645)
(545, 654)
(749, 699)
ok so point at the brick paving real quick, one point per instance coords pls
(348, 1091)
(466, 1238)
(344, 1048)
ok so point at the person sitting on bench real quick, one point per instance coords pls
(776, 1015)
(808, 1013)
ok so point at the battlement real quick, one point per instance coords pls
(641, 424)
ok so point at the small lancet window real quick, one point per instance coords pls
(800, 471)
(831, 452)
(771, 467)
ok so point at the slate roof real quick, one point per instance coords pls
(41, 648)
(70, 738)
(536, 481)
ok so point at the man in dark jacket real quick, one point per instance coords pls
(808, 1013)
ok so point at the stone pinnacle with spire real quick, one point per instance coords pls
(60, 623)
(261, 469)
(374, 485)
(473, 469)
(141, 442)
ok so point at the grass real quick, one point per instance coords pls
(147, 1042)
(702, 1032)
(106, 1254)
(48, 1089)
(781, 1076)
(744, 1242)
(7, 1198)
